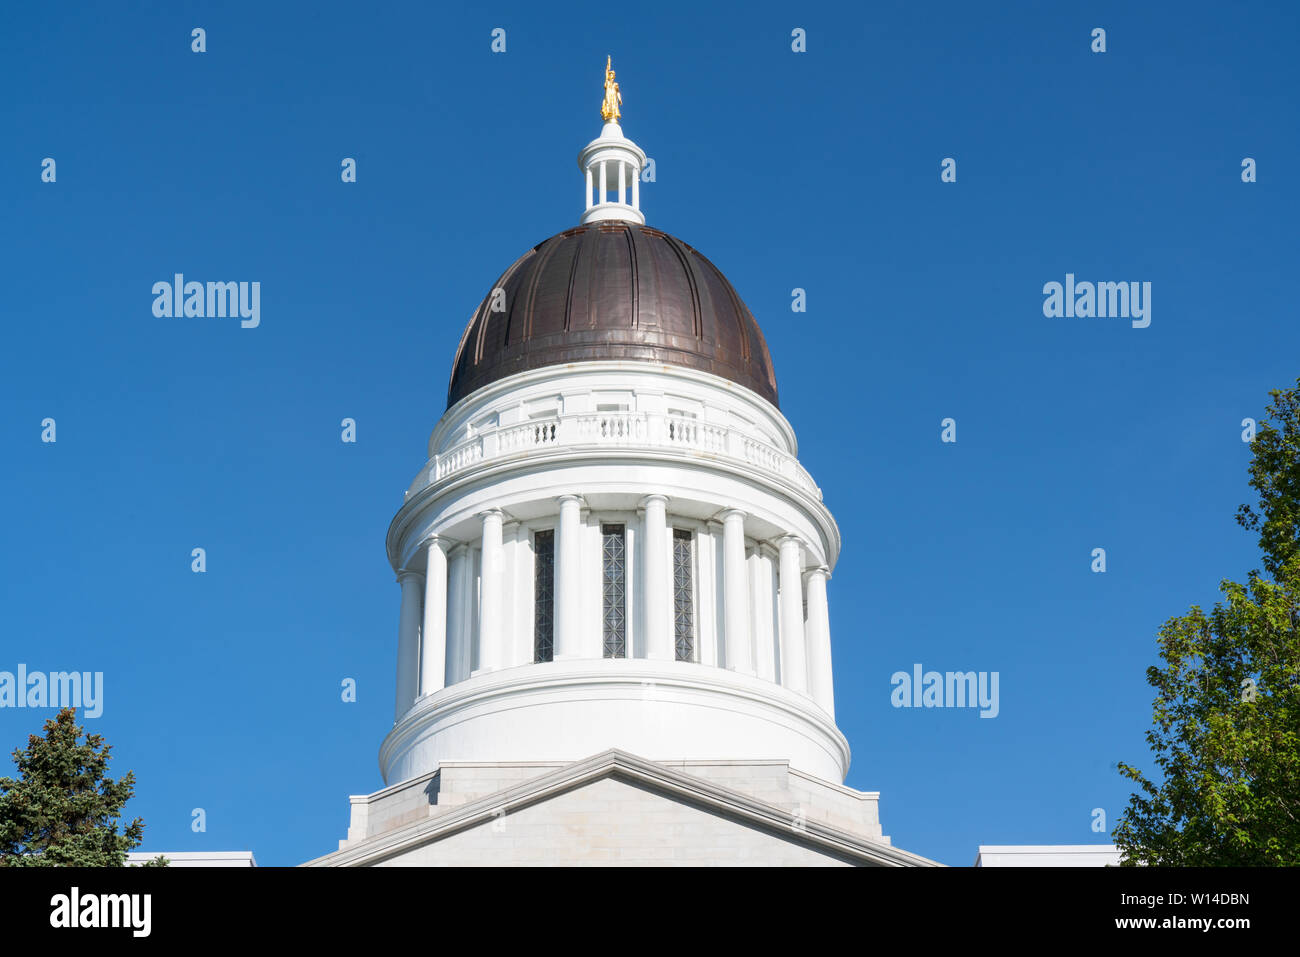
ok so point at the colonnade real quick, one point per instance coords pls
(443, 623)
(625, 169)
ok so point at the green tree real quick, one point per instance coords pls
(1226, 719)
(62, 810)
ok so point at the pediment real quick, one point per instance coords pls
(618, 808)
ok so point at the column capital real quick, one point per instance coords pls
(456, 549)
(431, 540)
(490, 513)
(786, 540)
(732, 512)
(821, 570)
(570, 497)
(405, 573)
(653, 497)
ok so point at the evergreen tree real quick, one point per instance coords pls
(62, 810)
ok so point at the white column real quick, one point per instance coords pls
(589, 203)
(491, 595)
(433, 636)
(819, 641)
(763, 620)
(473, 576)
(736, 589)
(656, 598)
(568, 605)
(622, 182)
(602, 181)
(591, 601)
(408, 641)
(705, 628)
(517, 620)
(636, 188)
(718, 623)
(794, 660)
(458, 605)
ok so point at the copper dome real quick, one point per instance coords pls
(612, 290)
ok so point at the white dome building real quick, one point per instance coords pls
(614, 644)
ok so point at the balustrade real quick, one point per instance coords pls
(650, 430)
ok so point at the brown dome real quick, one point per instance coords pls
(612, 290)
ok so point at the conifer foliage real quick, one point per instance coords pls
(62, 809)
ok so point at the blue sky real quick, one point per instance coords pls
(817, 170)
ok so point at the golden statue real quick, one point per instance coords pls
(613, 98)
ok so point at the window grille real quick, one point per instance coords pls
(613, 541)
(544, 595)
(683, 595)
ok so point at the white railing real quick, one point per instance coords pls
(762, 454)
(527, 436)
(456, 458)
(622, 429)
